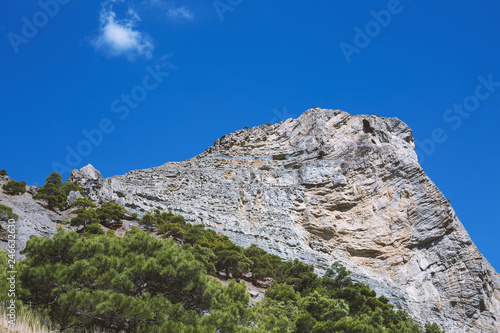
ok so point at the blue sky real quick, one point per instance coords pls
(156, 80)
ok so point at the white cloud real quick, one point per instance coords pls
(120, 37)
(173, 12)
(180, 13)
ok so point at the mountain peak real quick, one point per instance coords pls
(329, 186)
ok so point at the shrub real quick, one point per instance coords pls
(94, 229)
(324, 308)
(231, 260)
(6, 214)
(14, 188)
(68, 187)
(148, 221)
(83, 203)
(3, 172)
(282, 293)
(84, 217)
(110, 214)
(55, 192)
(432, 328)
(262, 262)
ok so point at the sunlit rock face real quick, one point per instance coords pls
(34, 219)
(326, 187)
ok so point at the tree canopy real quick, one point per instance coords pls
(14, 188)
(167, 283)
(55, 192)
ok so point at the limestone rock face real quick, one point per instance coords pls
(89, 178)
(325, 187)
(73, 196)
(34, 219)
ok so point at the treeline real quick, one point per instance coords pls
(140, 283)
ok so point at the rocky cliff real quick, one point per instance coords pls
(34, 219)
(325, 187)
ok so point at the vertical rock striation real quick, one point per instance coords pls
(325, 187)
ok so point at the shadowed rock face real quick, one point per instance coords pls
(328, 187)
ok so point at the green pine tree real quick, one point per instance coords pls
(15, 188)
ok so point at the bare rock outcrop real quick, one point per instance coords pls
(34, 219)
(72, 197)
(88, 178)
(325, 187)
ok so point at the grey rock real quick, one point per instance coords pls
(89, 179)
(31, 189)
(4, 180)
(326, 187)
(34, 219)
(73, 196)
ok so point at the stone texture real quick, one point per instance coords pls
(73, 196)
(34, 219)
(32, 189)
(4, 179)
(89, 178)
(324, 187)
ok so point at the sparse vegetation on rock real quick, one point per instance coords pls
(14, 188)
(84, 217)
(6, 214)
(110, 214)
(55, 192)
(433, 328)
(148, 221)
(83, 203)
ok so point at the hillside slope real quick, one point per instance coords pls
(324, 187)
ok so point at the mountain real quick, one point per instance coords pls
(326, 187)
